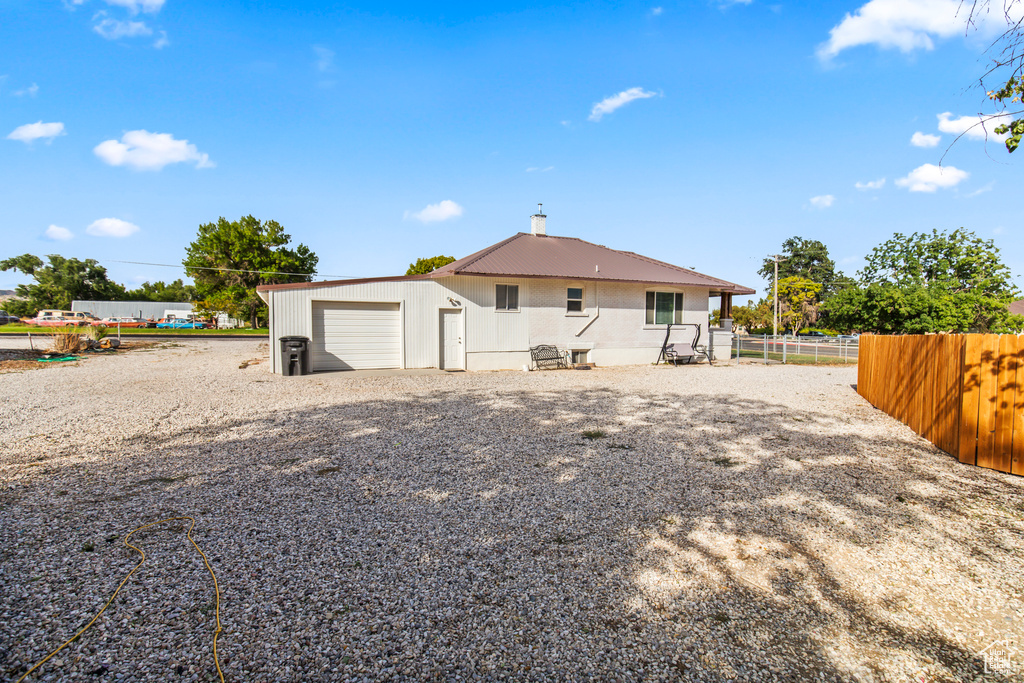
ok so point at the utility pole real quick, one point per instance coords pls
(775, 310)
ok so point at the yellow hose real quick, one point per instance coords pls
(216, 590)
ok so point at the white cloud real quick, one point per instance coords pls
(903, 24)
(162, 41)
(31, 132)
(929, 177)
(534, 169)
(59, 234)
(998, 230)
(30, 91)
(432, 213)
(657, 10)
(610, 104)
(972, 126)
(726, 3)
(822, 201)
(112, 29)
(136, 6)
(147, 151)
(112, 227)
(871, 184)
(324, 58)
(983, 189)
(920, 139)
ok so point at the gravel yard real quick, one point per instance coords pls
(729, 523)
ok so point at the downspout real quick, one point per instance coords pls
(597, 307)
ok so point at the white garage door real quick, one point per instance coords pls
(356, 336)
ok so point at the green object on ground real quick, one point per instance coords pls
(59, 360)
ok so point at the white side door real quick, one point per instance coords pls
(451, 340)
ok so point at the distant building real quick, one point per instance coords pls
(131, 309)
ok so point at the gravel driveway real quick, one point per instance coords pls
(730, 523)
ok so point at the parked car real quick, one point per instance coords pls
(8, 319)
(122, 322)
(55, 318)
(848, 337)
(817, 334)
(180, 324)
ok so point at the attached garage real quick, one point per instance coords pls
(356, 335)
(485, 311)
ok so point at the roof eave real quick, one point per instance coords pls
(335, 283)
(721, 285)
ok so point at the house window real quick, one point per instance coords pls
(574, 300)
(506, 297)
(664, 308)
(579, 356)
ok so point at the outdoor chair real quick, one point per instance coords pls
(685, 352)
(547, 356)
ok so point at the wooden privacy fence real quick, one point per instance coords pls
(964, 393)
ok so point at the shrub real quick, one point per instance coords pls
(66, 340)
(97, 333)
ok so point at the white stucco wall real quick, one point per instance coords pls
(613, 320)
(615, 331)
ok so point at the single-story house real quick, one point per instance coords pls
(485, 311)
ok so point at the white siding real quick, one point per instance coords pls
(613, 318)
(421, 301)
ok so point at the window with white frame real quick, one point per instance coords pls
(574, 300)
(506, 297)
(579, 356)
(664, 308)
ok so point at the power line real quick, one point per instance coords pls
(226, 270)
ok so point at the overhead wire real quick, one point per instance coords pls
(228, 270)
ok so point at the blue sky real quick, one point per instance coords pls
(701, 133)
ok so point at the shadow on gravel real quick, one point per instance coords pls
(481, 534)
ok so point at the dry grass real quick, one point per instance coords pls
(66, 340)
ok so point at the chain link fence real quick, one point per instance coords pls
(792, 349)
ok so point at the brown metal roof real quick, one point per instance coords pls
(1017, 307)
(548, 256)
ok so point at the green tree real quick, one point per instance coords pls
(753, 316)
(929, 282)
(159, 291)
(1012, 92)
(427, 265)
(807, 259)
(230, 259)
(58, 283)
(798, 298)
(1007, 63)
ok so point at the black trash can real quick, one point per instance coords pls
(294, 356)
